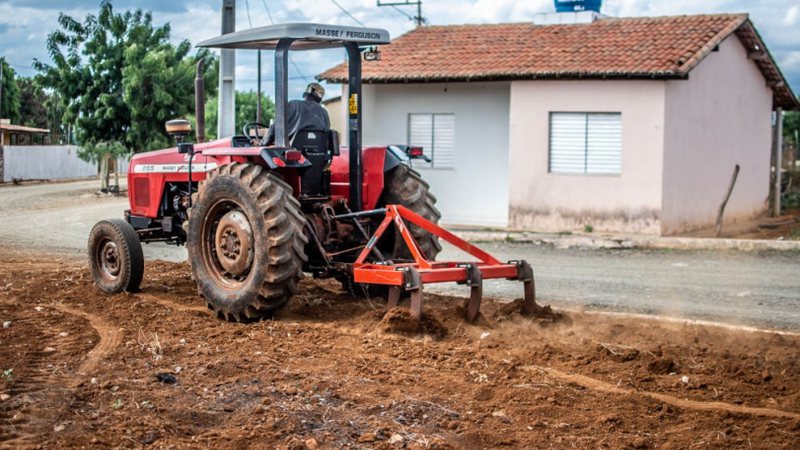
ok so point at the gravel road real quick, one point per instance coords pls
(739, 288)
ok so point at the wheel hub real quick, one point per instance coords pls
(109, 259)
(234, 243)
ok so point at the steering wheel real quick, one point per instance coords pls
(256, 126)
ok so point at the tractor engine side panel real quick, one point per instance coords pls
(150, 172)
(373, 159)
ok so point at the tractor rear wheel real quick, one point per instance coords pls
(246, 242)
(115, 256)
(403, 186)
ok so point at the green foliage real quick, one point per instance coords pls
(119, 78)
(32, 111)
(8, 374)
(10, 106)
(588, 228)
(791, 127)
(94, 151)
(246, 106)
(791, 200)
(41, 108)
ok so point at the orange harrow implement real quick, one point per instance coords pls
(411, 277)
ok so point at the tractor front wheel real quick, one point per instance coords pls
(246, 242)
(115, 256)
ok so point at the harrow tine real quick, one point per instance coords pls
(413, 284)
(394, 297)
(529, 306)
(416, 303)
(472, 306)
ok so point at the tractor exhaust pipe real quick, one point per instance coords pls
(200, 102)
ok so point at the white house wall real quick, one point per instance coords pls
(630, 201)
(44, 162)
(475, 191)
(719, 117)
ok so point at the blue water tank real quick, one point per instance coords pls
(578, 5)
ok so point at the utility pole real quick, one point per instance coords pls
(2, 156)
(778, 141)
(227, 72)
(2, 69)
(258, 89)
(418, 19)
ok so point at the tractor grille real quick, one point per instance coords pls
(141, 189)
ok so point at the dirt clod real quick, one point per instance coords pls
(166, 378)
(397, 440)
(661, 366)
(398, 320)
(543, 314)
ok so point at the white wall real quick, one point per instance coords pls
(475, 192)
(717, 118)
(44, 163)
(630, 201)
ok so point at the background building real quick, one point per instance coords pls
(625, 124)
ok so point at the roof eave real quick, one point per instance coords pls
(788, 100)
(439, 78)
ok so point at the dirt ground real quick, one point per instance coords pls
(157, 370)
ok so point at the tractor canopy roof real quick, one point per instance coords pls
(306, 36)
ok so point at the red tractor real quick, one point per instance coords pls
(254, 217)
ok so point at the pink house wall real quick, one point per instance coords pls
(543, 201)
(719, 117)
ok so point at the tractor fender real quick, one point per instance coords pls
(394, 157)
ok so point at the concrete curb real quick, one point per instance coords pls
(599, 241)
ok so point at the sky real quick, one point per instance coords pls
(25, 24)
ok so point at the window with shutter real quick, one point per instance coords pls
(435, 133)
(586, 143)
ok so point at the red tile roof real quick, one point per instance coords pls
(647, 47)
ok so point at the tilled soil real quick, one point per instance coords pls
(157, 370)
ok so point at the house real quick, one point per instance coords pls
(333, 106)
(624, 124)
(18, 135)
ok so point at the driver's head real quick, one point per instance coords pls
(315, 92)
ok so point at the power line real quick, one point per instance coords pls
(348, 13)
(294, 64)
(269, 13)
(247, 6)
(419, 19)
(401, 12)
(272, 21)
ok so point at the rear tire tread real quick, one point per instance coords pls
(283, 231)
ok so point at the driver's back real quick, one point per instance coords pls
(306, 115)
(303, 115)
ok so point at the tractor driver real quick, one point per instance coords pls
(305, 114)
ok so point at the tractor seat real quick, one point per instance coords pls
(311, 142)
(319, 147)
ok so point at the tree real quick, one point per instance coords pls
(32, 111)
(246, 106)
(9, 109)
(119, 78)
(791, 128)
